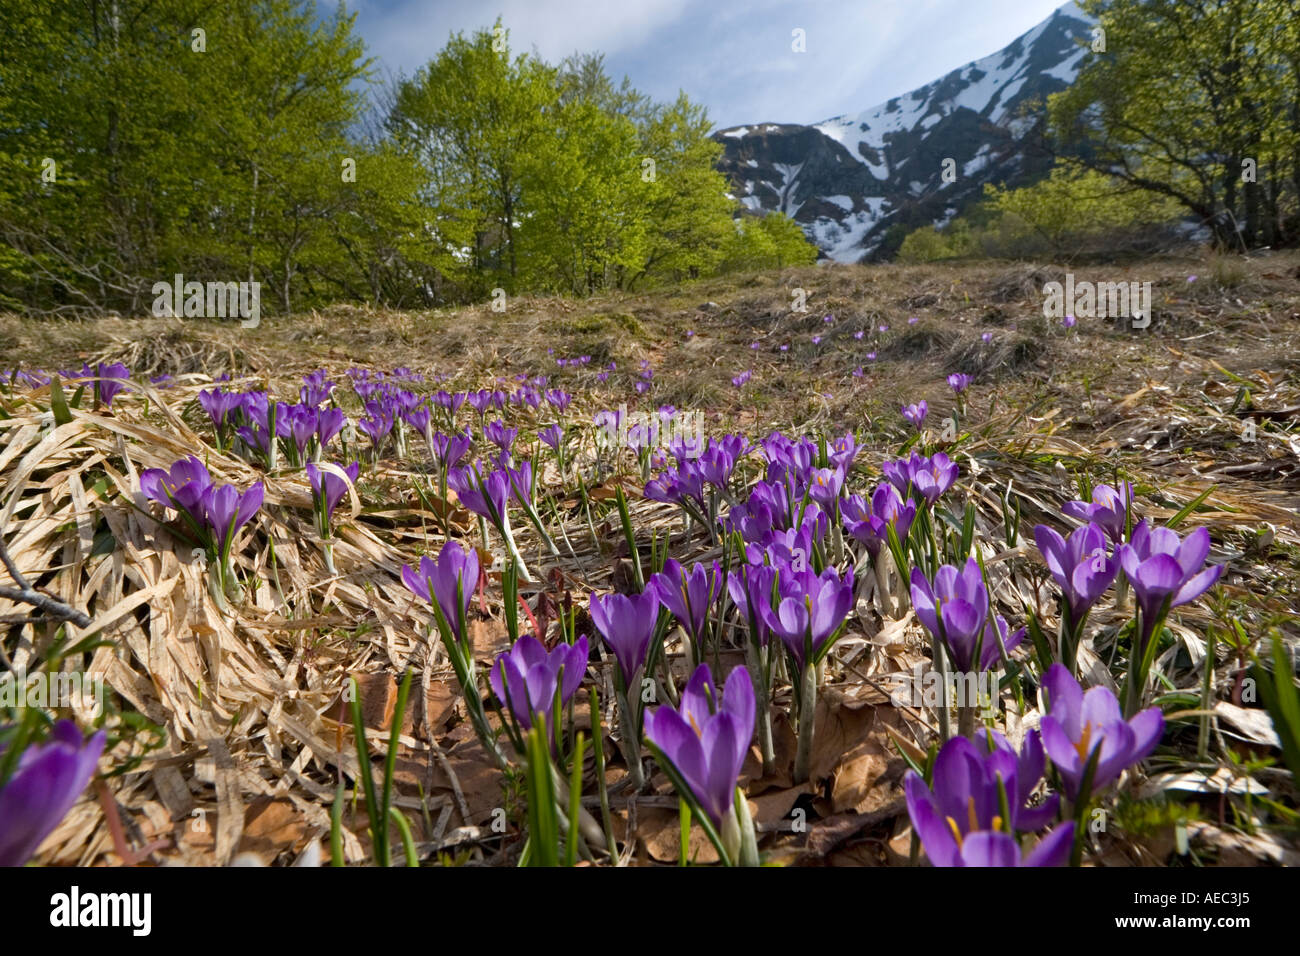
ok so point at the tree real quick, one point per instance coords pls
(473, 114)
(189, 137)
(688, 205)
(1195, 100)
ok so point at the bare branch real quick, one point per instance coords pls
(26, 594)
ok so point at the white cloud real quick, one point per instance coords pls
(732, 55)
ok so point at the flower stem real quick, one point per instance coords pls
(807, 713)
(627, 738)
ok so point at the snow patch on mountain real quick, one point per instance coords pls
(849, 178)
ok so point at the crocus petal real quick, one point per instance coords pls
(935, 834)
(1065, 701)
(1054, 848)
(990, 848)
(1197, 585)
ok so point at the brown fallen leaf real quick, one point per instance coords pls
(660, 832)
(271, 826)
(378, 695)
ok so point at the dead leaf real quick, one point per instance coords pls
(660, 831)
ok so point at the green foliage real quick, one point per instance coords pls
(773, 241)
(931, 243)
(1282, 698)
(217, 154)
(1074, 202)
(1186, 96)
(1074, 207)
(228, 142)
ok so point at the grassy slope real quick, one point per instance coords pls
(1166, 405)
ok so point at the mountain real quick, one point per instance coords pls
(857, 183)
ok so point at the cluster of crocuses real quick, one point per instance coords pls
(267, 429)
(489, 495)
(210, 516)
(105, 379)
(701, 478)
(1163, 569)
(984, 798)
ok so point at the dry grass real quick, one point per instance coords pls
(247, 697)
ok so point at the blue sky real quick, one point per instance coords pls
(734, 56)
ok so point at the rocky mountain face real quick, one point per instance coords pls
(859, 183)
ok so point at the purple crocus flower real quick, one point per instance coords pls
(302, 422)
(552, 435)
(448, 450)
(824, 486)
(1078, 724)
(715, 463)
(48, 779)
(842, 451)
(521, 482)
(858, 334)
(1108, 508)
(112, 378)
(182, 488)
(927, 477)
(559, 400)
(218, 403)
(329, 422)
(378, 425)
(868, 524)
(742, 379)
(1069, 321)
(642, 435)
(525, 678)
(419, 418)
(437, 580)
(750, 589)
(959, 382)
(498, 434)
(707, 737)
(965, 798)
(956, 608)
(627, 622)
(811, 606)
(315, 388)
(987, 337)
(486, 497)
(329, 486)
(226, 511)
(687, 596)
(958, 818)
(1162, 567)
(449, 401)
(1080, 565)
(916, 413)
